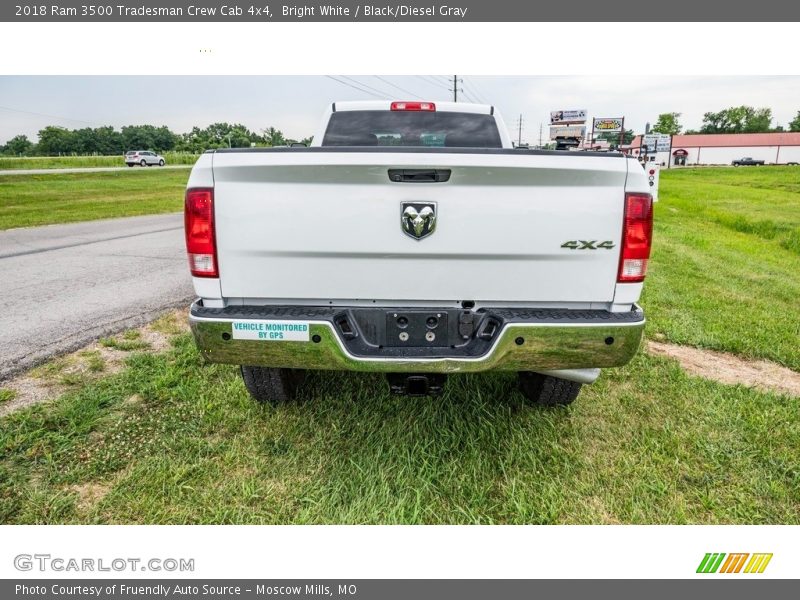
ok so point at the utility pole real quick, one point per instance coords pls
(519, 131)
(456, 81)
(540, 134)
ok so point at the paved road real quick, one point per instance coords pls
(62, 286)
(84, 170)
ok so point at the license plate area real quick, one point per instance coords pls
(417, 328)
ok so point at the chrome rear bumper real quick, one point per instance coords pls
(526, 342)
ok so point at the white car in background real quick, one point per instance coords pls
(145, 158)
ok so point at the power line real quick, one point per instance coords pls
(474, 92)
(480, 89)
(364, 85)
(431, 81)
(468, 96)
(30, 112)
(354, 87)
(397, 86)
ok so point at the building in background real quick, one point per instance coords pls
(723, 148)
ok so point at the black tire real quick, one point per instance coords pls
(143, 163)
(545, 390)
(129, 164)
(272, 386)
(161, 163)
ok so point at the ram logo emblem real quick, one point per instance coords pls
(418, 219)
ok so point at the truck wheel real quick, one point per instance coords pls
(273, 386)
(546, 390)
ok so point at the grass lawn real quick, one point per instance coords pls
(28, 200)
(67, 162)
(725, 271)
(169, 440)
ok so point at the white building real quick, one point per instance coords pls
(722, 148)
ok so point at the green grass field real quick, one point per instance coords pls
(28, 200)
(71, 162)
(725, 271)
(169, 440)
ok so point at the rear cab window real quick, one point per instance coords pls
(412, 129)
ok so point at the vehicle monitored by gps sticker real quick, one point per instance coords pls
(747, 161)
(412, 239)
(143, 158)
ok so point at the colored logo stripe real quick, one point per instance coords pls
(711, 562)
(734, 562)
(758, 563)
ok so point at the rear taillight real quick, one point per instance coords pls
(429, 106)
(199, 226)
(637, 237)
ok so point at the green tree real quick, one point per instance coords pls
(56, 140)
(274, 137)
(737, 119)
(668, 123)
(19, 145)
(794, 124)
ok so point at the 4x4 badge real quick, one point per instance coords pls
(418, 219)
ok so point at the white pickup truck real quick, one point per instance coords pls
(412, 239)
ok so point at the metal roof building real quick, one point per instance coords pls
(777, 148)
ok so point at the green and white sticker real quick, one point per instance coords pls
(270, 331)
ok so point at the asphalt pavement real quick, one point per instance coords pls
(62, 286)
(84, 170)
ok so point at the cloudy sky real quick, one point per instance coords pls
(294, 104)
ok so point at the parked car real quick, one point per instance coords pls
(747, 162)
(413, 239)
(145, 158)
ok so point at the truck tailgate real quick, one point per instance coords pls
(327, 226)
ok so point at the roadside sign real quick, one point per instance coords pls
(656, 142)
(568, 116)
(568, 131)
(608, 125)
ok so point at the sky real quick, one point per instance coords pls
(294, 104)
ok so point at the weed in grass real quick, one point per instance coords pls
(169, 324)
(7, 395)
(93, 360)
(127, 342)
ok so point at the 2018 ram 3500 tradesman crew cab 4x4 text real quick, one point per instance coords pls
(411, 238)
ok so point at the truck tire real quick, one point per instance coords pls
(545, 390)
(272, 386)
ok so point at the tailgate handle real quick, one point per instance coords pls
(419, 175)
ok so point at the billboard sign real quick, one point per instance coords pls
(568, 131)
(656, 142)
(568, 116)
(608, 125)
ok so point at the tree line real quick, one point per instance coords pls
(736, 119)
(56, 141)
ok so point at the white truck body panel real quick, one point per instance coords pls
(326, 226)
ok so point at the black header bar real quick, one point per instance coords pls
(418, 11)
